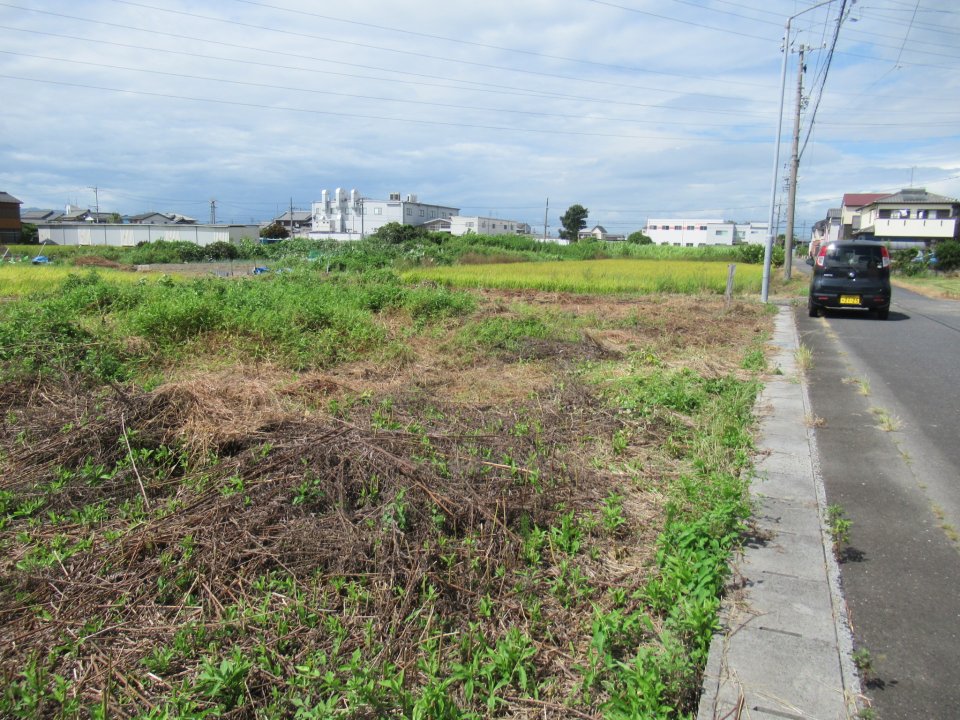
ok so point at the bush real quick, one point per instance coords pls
(222, 251)
(394, 233)
(167, 251)
(275, 231)
(948, 255)
(903, 262)
(638, 238)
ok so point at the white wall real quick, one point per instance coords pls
(683, 232)
(463, 224)
(121, 235)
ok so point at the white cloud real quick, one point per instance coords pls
(632, 108)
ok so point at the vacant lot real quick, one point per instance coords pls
(315, 496)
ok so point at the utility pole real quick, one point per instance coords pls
(291, 217)
(546, 212)
(96, 200)
(361, 218)
(794, 164)
(213, 212)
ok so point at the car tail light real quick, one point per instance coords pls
(885, 254)
(822, 256)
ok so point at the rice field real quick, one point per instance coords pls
(18, 279)
(598, 276)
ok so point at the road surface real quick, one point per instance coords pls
(886, 404)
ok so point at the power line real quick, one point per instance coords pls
(415, 121)
(488, 66)
(457, 106)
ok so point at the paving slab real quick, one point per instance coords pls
(784, 648)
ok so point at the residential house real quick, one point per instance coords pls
(10, 223)
(910, 217)
(826, 230)
(850, 209)
(159, 218)
(599, 232)
(299, 223)
(38, 216)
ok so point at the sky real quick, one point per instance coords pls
(635, 109)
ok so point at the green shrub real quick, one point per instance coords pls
(638, 238)
(902, 262)
(221, 251)
(948, 255)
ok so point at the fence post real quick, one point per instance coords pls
(731, 269)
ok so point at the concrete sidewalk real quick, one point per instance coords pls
(784, 649)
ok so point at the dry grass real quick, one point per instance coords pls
(343, 475)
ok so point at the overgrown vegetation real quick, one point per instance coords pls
(403, 246)
(313, 494)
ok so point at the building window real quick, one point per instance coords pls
(718, 232)
(421, 212)
(922, 214)
(378, 211)
(409, 211)
(678, 227)
(903, 213)
(703, 227)
(943, 214)
(689, 227)
(884, 214)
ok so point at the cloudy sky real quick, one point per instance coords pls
(633, 108)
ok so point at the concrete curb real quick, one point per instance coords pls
(785, 647)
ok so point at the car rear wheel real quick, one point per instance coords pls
(812, 309)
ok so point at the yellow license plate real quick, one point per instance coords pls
(849, 299)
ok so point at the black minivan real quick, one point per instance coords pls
(851, 275)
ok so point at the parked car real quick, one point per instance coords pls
(850, 275)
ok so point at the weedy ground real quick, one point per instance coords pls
(316, 496)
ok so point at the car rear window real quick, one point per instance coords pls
(867, 259)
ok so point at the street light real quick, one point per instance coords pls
(768, 251)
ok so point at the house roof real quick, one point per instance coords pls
(858, 200)
(144, 216)
(38, 215)
(8, 198)
(915, 195)
(601, 228)
(299, 216)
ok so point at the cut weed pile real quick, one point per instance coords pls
(499, 505)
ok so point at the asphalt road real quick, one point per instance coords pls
(899, 487)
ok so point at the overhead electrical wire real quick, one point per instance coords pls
(457, 106)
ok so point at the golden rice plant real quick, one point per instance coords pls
(597, 276)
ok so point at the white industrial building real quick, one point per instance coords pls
(465, 224)
(129, 235)
(683, 232)
(352, 216)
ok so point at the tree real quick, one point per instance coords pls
(573, 220)
(395, 233)
(948, 255)
(638, 238)
(275, 231)
(29, 234)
